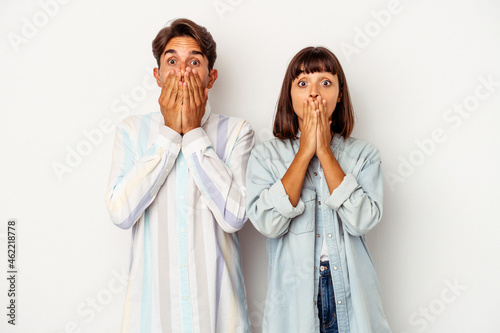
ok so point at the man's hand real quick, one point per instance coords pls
(170, 101)
(195, 99)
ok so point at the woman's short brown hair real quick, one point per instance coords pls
(312, 60)
(182, 28)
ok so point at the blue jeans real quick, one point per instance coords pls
(326, 301)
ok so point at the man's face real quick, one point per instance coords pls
(181, 53)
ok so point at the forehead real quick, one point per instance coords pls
(316, 74)
(182, 44)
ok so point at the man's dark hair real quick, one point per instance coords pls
(186, 28)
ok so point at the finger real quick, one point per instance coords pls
(198, 87)
(173, 88)
(304, 109)
(313, 115)
(305, 113)
(186, 98)
(166, 87)
(322, 110)
(190, 89)
(179, 97)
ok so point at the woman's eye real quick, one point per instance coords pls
(171, 61)
(326, 83)
(195, 62)
(302, 83)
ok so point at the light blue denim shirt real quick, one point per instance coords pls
(295, 236)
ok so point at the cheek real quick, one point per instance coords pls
(298, 108)
(297, 102)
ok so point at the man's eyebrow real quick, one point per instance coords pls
(191, 53)
(170, 51)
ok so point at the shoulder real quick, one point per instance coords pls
(134, 122)
(357, 149)
(219, 122)
(274, 149)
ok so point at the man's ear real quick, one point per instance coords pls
(212, 77)
(156, 74)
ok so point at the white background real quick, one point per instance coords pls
(66, 69)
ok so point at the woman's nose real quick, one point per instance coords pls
(313, 93)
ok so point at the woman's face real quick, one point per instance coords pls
(307, 86)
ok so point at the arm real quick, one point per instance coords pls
(294, 176)
(136, 179)
(268, 205)
(221, 184)
(358, 201)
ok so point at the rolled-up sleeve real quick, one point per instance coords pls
(359, 200)
(268, 205)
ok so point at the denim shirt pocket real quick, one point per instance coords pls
(305, 222)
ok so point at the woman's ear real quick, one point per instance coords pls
(339, 97)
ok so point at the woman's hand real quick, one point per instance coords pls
(331, 168)
(308, 135)
(324, 134)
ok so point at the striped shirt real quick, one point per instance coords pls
(184, 199)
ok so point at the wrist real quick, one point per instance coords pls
(173, 127)
(325, 153)
(303, 155)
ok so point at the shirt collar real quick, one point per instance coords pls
(207, 114)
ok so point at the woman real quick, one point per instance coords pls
(315, 192)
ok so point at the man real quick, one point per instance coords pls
(178, 180)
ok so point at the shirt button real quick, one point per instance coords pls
(335, 268)
(314, 302)
(185, 298)
(315, 173)
(329, 235)
(315, 267)
(320, 202)
(318, 235)
(182, 230)
(339, 302)
(182, 163)
(182, 197)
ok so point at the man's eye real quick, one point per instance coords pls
(171, 61)
(302, 83)
(195, 62)
(326, 83)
